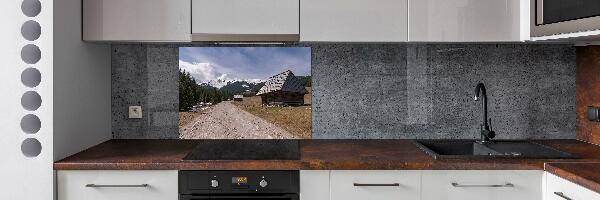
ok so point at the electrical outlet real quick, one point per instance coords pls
(135, 112)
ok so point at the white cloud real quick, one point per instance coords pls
(201, 71)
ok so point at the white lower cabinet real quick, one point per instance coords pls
(341, 185)
(482, 185)
(314, 184)
(560, 189)
(375, 185)
(117, 185)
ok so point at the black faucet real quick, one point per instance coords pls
(487, 134)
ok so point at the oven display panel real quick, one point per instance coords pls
(239, 180)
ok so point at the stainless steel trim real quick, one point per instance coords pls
(539, 12)
(115, 186)
(492, 185)
(562, 195)
(211, 37)
(376, 184)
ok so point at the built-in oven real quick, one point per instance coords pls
(552, 17)
(238, 185)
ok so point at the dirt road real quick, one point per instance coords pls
(227, 121)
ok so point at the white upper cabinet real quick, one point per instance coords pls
(136, 20)
(468, 20)
(245, 20)
(307, 20)
(354, 20)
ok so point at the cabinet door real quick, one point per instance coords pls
(468, 21)
(136, 20)
(560, 189)
(375, 185)
(314, 185)
(245, 20)
(482, 185)
(117, 185)
(354, 20)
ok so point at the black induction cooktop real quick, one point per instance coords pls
(245, 150)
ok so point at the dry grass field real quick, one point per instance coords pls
(187, 117)
(296, 120)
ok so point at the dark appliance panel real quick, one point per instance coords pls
(273, 182)
(272, 197)
(232, 185)
(256, 149)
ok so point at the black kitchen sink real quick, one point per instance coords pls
(471, 149)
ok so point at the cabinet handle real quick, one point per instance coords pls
(470, 186)
(562, 195)
(376, 184)
(116, 186)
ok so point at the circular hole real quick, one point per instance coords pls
(31, 30)
(31, 77)
(31, 147)
(31, 8)
(31, 54)
(31, 100)
(31, 124)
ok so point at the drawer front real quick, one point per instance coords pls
(117, 185)
(560, 189)
(375, 185)
(482, 185)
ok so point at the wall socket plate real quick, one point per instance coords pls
(135, 112)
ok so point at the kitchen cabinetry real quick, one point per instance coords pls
(242, 20)
(136, 20)
(314, 184)
(342, 185)
(560, 189)
(380, 185)
(354, 20)
(482, 185)
(468, 21)
(421, 184)
(307, 20)
(117, 185)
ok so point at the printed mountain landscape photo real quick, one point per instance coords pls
(244, 92)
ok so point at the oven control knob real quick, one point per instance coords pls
(214, 183)
(263, 183)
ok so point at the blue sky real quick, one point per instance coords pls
(210, 63)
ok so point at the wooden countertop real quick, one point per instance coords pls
(314, 155)
(331, 155)
(584, 174)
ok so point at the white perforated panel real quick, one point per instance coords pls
(26, 100)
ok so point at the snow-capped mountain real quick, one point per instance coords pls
(219, 83)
